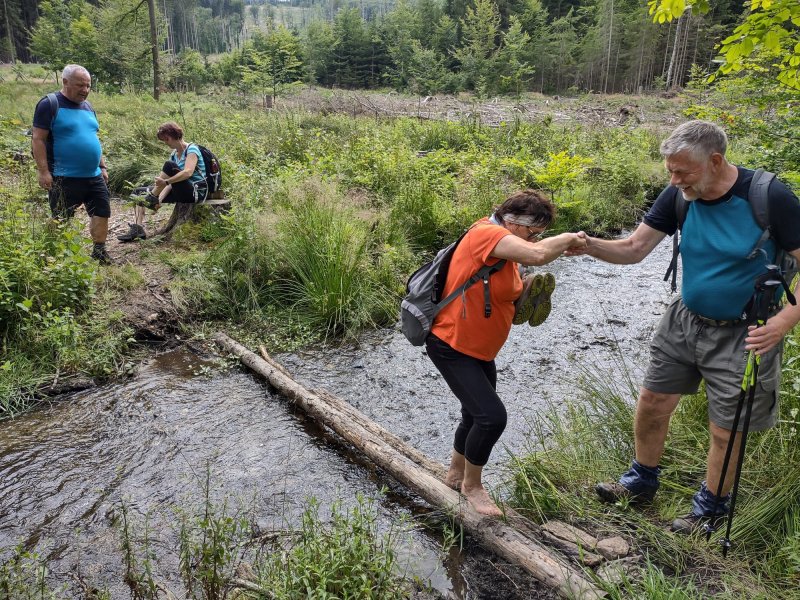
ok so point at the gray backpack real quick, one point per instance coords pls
(424, 288)
(757, 197)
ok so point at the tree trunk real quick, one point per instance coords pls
(417, 472)
(151, 9)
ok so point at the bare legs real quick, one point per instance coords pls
(716, 457)
(653, 412)
(98, 229)
(651, 424)
(466, 474)
(455, 474)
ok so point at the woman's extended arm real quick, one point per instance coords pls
(538, 253)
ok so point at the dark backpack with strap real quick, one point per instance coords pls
(213, 169)
(425, 287)
(758, 199)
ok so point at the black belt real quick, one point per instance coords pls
(718, 322)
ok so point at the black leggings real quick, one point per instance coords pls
(473, 381)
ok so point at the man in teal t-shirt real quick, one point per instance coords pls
(702, 335)
(69, 158)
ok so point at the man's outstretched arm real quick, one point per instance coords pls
(623, 252)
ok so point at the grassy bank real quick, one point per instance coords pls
(591, 439)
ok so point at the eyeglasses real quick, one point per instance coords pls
(534, 233)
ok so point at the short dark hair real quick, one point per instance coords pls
(531, 203)
(170, 130)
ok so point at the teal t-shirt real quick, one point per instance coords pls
(199, 171)
(717, 238)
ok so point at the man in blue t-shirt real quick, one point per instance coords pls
(702, 335)
(69, 157)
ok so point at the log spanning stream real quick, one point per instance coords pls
(66, 469)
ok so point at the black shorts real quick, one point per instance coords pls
(184, 192)
(68, 193)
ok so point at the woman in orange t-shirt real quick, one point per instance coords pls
(464, 340)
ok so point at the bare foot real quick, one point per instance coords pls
(481, 501)
(453, 480)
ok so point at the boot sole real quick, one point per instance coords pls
(542, 303)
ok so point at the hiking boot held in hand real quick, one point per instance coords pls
(707, 509)
(638, 485)
(534, 303)
(135, 232)
(143, 196)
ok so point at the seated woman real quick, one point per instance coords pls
(182, 179)
(465, 337)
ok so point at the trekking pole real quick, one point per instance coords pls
(757, 309)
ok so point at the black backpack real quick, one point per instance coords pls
(213, 169)
(425, 287)
(757, 198)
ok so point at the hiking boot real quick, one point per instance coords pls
(135, 232)
(707, 510)
(691, 523)
(542, 304)
(638, 485)
(143, 196)
(101, 255)
(524, 305)
(611, 491)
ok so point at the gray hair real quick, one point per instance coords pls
(701, 138)
(71, 70)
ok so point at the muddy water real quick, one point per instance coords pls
(66, 469)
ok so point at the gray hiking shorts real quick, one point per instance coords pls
(685, 350)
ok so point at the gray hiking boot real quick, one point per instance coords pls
(691, 523)
(135, 232)
(611, 491)
(638, 485)
(708, 510)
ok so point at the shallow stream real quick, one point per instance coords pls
(147, 443)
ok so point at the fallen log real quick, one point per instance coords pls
(499, 537)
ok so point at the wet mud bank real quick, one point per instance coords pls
(148, 442)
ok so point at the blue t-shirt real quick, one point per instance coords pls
(199, 170)
(716, 239)
(73, 148)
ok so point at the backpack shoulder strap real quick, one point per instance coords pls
(681, 208)
(483, 273)
(758, 196)
(53, 100)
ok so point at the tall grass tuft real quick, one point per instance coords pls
(325, 256)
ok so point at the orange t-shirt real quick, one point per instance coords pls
(462, 324)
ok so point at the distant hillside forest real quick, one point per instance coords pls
(420, 46)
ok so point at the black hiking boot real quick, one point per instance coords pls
(101, 255)
(135, 232)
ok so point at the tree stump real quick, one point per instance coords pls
(195, 213)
